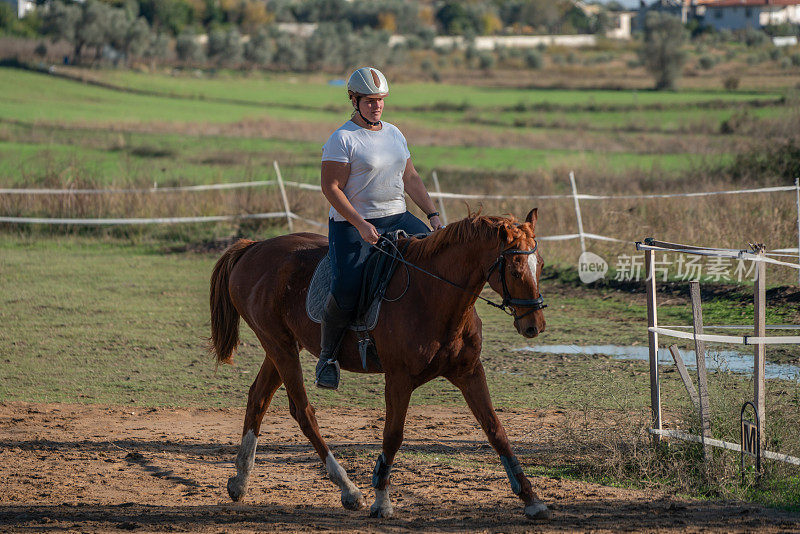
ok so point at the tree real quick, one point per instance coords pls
(188, 49)
(225, 47)
(254, 16)
(157, 46)
(259, 50)
(290, 54)
(137, 38)
(93, 27)
(662, 49)
(7, 17)
(61, 22)
(456, 18)
(324, 47)
(544, 14)
(170, 15)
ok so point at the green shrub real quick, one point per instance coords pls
(486, 60)
(706, 62)
(533, 59)
(731, 83)
(755, 37)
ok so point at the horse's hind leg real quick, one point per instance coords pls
(476, 392)
(261, 392)
(304, 414)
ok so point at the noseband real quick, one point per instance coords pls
(508, 300)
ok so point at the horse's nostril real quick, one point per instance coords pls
(531, 331)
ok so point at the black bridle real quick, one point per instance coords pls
(508, 303)
(508, 300)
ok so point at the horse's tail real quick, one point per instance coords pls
(224, 317)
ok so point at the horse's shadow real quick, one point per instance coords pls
(139, 447)
(449, 516)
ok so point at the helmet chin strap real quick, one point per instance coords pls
(358, 108)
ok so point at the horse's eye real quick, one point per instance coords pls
(516, 274)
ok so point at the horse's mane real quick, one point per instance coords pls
(475, 228)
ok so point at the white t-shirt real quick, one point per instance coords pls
(377, 161)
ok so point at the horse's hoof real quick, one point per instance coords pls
(236, 489)
(381, 511)
(354, 500)
(537, 510)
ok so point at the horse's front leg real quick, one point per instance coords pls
(398, 393)
(476, 392)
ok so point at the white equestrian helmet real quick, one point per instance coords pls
(368, 81)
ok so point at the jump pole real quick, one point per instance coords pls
(283, 196)
(759, 317)
(652, 339)
(702, 375)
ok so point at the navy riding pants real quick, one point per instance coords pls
(348, 253)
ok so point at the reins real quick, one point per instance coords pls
(508, 301)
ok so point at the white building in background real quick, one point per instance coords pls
(22, 7)
(621, 22)
(743, 14)
(729, 14)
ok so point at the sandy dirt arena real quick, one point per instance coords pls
(89, 468)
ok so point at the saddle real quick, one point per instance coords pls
(378, 271)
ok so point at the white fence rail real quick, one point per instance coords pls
(436, 194)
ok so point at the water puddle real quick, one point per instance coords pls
(725, 360)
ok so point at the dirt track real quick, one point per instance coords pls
(93, 468)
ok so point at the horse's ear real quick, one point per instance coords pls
(533, 215)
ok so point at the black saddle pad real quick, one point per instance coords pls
(318, 292)
(378, 270)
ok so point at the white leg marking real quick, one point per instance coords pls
(352, 499)
(537, 510)
(383, 504)
(237, 486)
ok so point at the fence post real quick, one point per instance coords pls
(578, 211)
(283, 196)
(797, 193)
(702, 376)
(759, 317)
(652, 338)
(441, 200)
(687, 381)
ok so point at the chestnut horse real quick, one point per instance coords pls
(432, 331)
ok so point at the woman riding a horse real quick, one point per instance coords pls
(432, 331)
(366, 168)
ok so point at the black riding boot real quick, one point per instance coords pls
(334, 325)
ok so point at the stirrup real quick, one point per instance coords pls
(327, 374)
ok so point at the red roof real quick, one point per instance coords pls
(747, 3)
